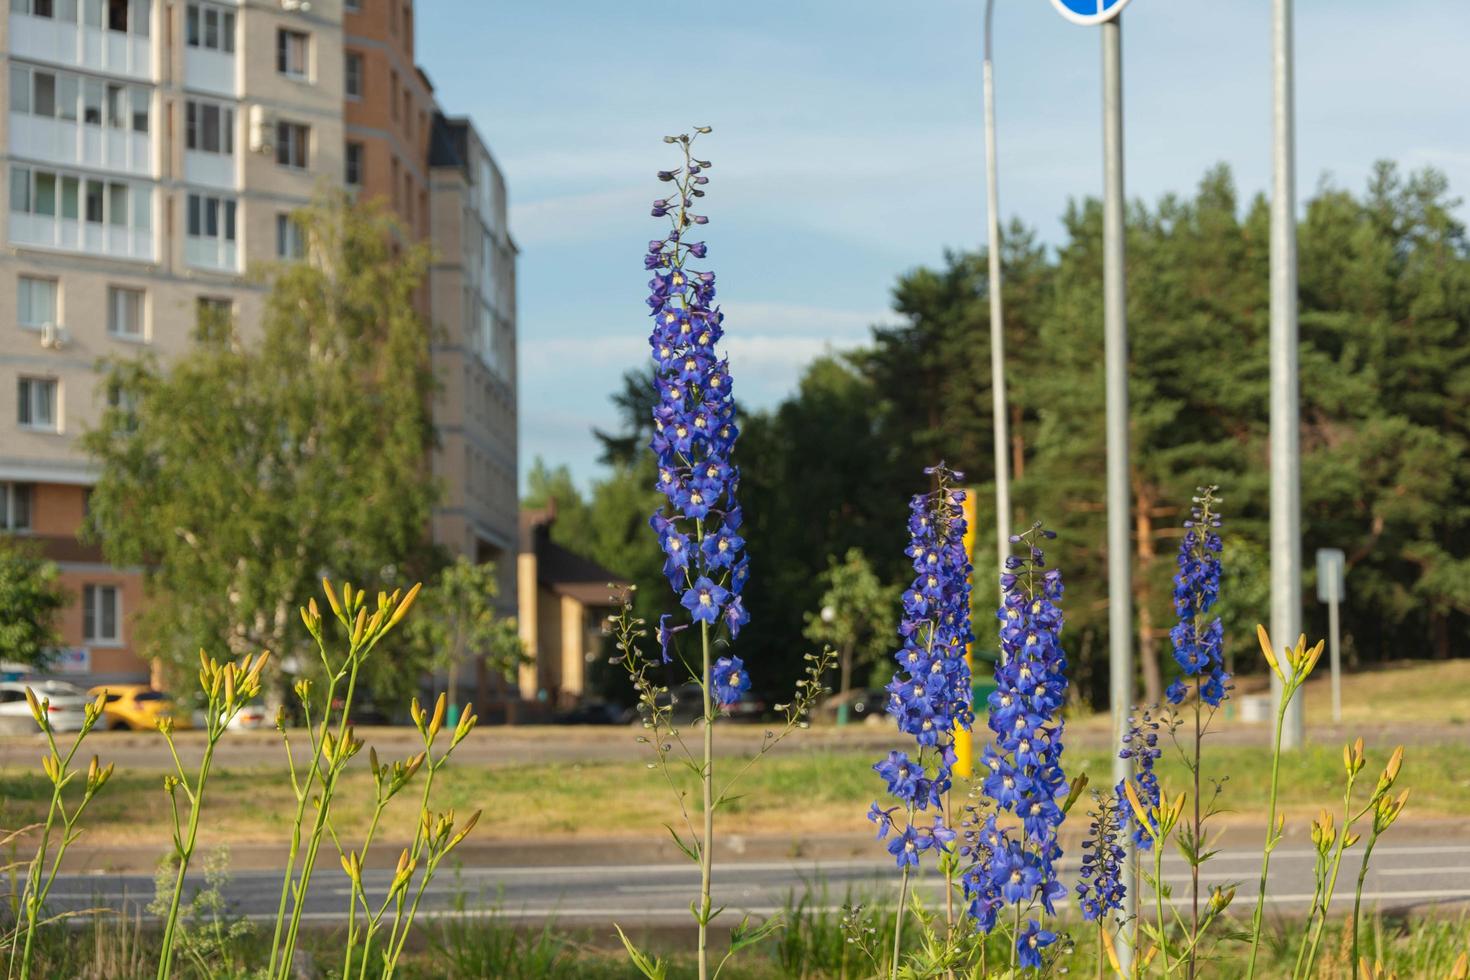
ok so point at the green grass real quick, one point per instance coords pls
(799, 793)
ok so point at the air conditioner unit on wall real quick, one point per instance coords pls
(53, 336)
(304, 6)
(262, 130)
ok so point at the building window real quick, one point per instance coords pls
(101, 202)
(291, 144)
(140, 99)
(209, 127)
(100, 613)
(36, 406)
(211, 27)
(352, 75)
(36, 304)
(37, 8)
(211, 217)
(125, 312)
(352, 6)
(291, 53)
(353, 162)
(215, 316)
(290, 242)
(393, 94)
(15, 506)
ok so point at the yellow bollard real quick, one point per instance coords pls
(964, 741)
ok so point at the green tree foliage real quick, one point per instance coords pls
(458, 624)
(1385, 360)
(30, 599)
(857, 617)
(255, 465)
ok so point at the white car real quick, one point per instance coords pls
(65, 710)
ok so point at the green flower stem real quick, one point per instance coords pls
(707, 781)
(185, 850)
(1358, 894)
(309, 777)
(329, 785)
(1159, 898)
(1287, 692)
(358, 890)
(34, 890)
(901, 910)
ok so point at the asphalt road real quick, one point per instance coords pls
(1407, 876)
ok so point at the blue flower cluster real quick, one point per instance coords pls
(930, 692)
(694, 427)
(1198, 641)
(1024, 765)
(1141, 748)
(1101, 889)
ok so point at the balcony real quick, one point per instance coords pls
(210, 169)
(78, 144)
(89, 237)
(206, 70)
(67, 43)
(215, 254)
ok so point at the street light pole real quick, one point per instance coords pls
(997, 323)
(1286, 537)
(1115, 359)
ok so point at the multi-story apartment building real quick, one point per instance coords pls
(153, 152)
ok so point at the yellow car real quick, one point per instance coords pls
(137, 707)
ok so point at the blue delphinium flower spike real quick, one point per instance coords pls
(1198, 638)
(930, 692)
(694, 429)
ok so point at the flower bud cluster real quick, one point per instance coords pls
(694, 428)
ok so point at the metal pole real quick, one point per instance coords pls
(1115, 357)
(1334, 638)
(997, 323)
(1286, 538)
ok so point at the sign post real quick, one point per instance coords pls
(1115, 367)
(1331, 566)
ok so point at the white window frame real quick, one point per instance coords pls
(94, 615)
(290, 238)
(10, 495)
(197, 214)
(196, 132)
(121, 299)
(293, 54)
(293, 144)
(197, 20)
(36, 397)
(26, 288)
(353, 81)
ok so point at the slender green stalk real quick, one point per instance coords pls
(1159, 898)
(185, 852)
(33, 883)
(1198, 825)
(329, 786)
(901, 910)
(1271, 837)
(302, 796)
(707, 780)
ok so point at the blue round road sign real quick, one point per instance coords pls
(1089, 11)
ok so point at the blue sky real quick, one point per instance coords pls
(848, 147)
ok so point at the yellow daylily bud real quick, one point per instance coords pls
(1264, 639)
(204, 661)
(440, 706)
(1395, 761)
(331, 597)
(1139, 813)
(405, 605)
(464, 831)
(1310, 658)
(359, 626)
(1112, 951)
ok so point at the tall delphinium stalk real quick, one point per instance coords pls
(1198, 639)
(227, 688)
(39, 877)
(698, 527)
(1141, 750)
(1299, 663)
(1024, 765)
(1100, 889)
(929, 695)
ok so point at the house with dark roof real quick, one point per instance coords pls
(564, 600)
